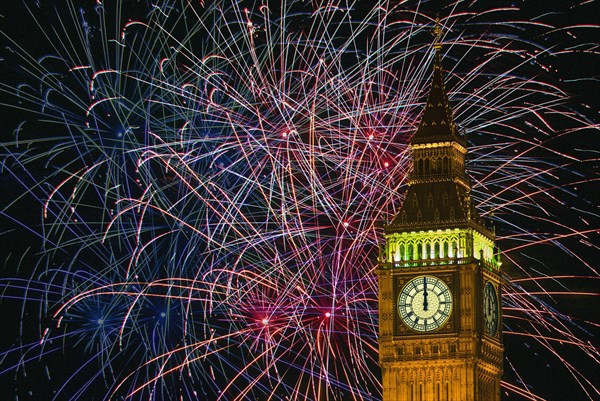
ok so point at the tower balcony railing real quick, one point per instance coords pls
(490, 264)
(429, 262)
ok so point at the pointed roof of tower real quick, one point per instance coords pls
(437, 123)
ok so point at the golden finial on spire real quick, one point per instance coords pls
(437, 35)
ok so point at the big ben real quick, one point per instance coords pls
(439, 272)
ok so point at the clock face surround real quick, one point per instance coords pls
(425, 303)
(490, 309)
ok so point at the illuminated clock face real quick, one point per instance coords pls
(490, 309)
(425, 303)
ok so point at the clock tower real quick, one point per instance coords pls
(440, 320)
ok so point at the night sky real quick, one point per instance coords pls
(116, 135)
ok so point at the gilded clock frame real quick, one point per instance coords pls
(451, 324)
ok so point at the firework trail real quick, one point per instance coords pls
(204, 186)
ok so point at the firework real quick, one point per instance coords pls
(211, 181)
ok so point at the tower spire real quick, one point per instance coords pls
(437, 123)
(439, 187)
(437, 35)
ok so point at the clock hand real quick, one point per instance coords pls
(425, 294)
